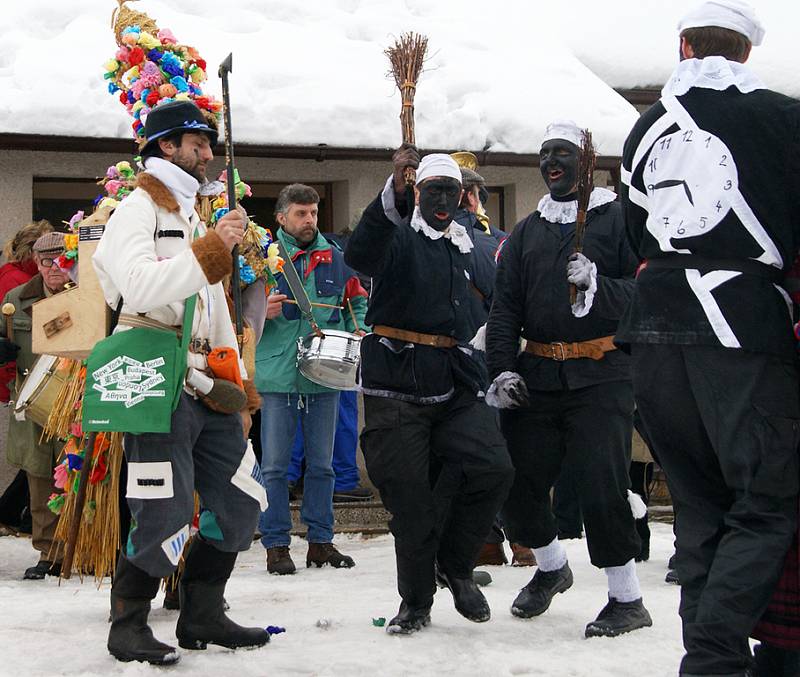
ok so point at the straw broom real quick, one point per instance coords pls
(407, 57)
(586, 163)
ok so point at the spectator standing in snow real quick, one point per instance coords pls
(711, 178)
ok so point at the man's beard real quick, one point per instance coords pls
(193, 168)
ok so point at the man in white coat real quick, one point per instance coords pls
(154, 255)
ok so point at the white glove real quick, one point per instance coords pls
(580, 271)
(508, 391)
(583, 274)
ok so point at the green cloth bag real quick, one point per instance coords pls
(134, 378)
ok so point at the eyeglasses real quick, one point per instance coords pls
(46, 261)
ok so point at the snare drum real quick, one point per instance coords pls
(39, 390)
(331, 360)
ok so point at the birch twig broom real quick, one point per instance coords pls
(407, 57)
(586, 163)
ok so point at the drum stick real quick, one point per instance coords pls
(318, 305)
(8, 311)
(353, 316)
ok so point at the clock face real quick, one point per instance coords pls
(689, 177)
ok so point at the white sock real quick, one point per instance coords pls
(551, 557)
(623, 583)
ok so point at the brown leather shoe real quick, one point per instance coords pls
(279, 561)
(522, 556)
(491, 554)
(326, 553)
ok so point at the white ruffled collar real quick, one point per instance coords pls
(183, 186)
(713, 72)
(455, 232)
(567, 212)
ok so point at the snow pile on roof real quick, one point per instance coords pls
(636, 44)
(314, 72)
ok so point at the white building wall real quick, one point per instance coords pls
(355, 182)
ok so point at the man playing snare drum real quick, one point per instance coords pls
(25, 450)
(340, 302)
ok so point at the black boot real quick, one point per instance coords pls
(130, 638)
(470, 602)
(772, 661)
(617, 618)
(534, 599)
(409, 620)
(203, 620)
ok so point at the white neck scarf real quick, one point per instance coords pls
(183, 186)
(455, 232)
(713, 72)
(567, 212)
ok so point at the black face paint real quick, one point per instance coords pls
(438, 201)
(558, 163)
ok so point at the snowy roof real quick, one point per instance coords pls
(636, 45)
(314, 72)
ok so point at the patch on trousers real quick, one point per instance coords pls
(248, 477)
(150, 480)
(173, 545)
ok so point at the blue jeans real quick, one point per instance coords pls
(317, 414)
(345, 443)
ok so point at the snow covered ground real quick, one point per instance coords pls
(50, 629)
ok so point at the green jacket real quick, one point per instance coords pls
(23, 447)
(327, 279)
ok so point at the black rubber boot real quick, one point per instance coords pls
(202, 586)
(534, 599)
(469, 600)
(130, 638)
(617, 618)
(409, 620)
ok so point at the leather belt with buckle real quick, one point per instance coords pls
(559, 351)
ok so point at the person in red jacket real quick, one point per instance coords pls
(18, 269)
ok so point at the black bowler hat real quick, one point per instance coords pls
(175, 116)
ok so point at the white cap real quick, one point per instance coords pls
(564, 129)
(438, 164)
(734, 15)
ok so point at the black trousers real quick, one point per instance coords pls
(442, 471)
(590, 430)
(724, 424)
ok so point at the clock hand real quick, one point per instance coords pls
(671, 183)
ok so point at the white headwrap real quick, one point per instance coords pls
(732, 14)
(564, 129)
(438, 164)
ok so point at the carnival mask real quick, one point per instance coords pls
(558, 163)
(438, 201)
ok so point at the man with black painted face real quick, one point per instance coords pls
(432, 446)
(567, 398)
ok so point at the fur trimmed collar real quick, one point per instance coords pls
(157, 191)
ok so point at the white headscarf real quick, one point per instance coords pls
(734, 15)
(438, 164)
(564, 129)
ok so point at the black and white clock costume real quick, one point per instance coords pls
(711, 195)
